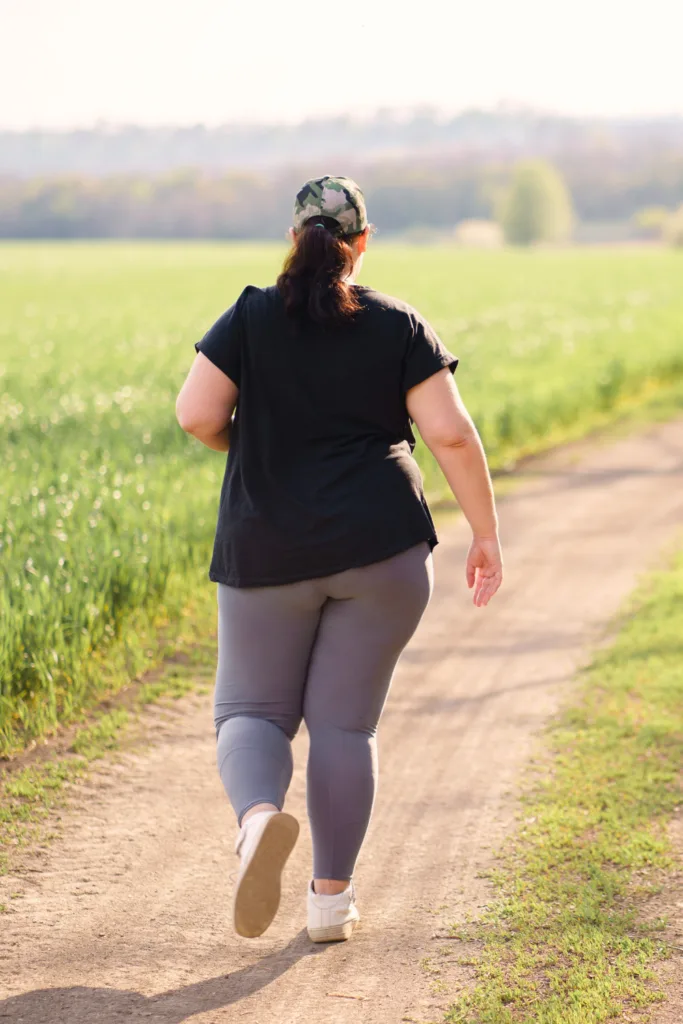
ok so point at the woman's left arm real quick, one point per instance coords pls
(206, 403)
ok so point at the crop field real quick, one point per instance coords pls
(107, 510)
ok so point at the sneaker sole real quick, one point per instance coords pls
(257, 897)
(333, 933)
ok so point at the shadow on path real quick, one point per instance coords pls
(571, 479)
(81, 1005)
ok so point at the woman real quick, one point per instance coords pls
(323, 546)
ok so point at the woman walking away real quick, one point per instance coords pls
(323, 546)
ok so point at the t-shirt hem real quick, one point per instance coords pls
(283, 580)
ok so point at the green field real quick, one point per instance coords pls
(107, 509)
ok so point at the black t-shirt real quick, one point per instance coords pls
(320, 476)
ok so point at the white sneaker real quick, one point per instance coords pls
(332, 918)
(264, 844)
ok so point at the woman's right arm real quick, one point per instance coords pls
(447, 429)
(206, 403)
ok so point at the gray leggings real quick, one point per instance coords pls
(323, 650)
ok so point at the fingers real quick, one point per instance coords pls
(485, 596)
(484, 571)
(486, 585)
(482, 596)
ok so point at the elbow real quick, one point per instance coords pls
(198, 424)
(187, 422)
(451, 440)
(191, 421)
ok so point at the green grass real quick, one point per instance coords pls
(566, 939)
(107, 510)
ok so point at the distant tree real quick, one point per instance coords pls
(673, 228)
(537, 206)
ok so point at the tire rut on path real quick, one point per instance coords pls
(127, 915)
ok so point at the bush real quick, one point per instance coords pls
(537, 206)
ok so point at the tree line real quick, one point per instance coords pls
(402, 194)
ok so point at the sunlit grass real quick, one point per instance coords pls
(564, 941)
(108, 510)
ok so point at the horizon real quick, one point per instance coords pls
(398, 116)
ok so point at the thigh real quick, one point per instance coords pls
(370, 616)
(265, 638)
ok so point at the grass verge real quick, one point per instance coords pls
(143, 640)
(37, 784)
(567, 939)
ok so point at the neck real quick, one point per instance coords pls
(351, 279)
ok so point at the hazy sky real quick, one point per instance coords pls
(73, 62)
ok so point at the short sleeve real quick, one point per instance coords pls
(223, 342)
(426, 354)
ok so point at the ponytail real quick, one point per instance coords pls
(313, 280)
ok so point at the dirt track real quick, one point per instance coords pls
(127, 916)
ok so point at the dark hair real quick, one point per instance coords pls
(313, 280)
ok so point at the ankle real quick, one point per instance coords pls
(258, 809)
(329, 886)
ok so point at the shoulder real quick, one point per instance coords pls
(414, 329)
(255, 301)
(253, 297)
(389, 306)
(252, 303)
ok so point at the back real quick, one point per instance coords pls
(320, 476)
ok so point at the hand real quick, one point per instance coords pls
(484, 569)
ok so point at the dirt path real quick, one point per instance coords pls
(126, 917)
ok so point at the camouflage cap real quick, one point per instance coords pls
(339, 198)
